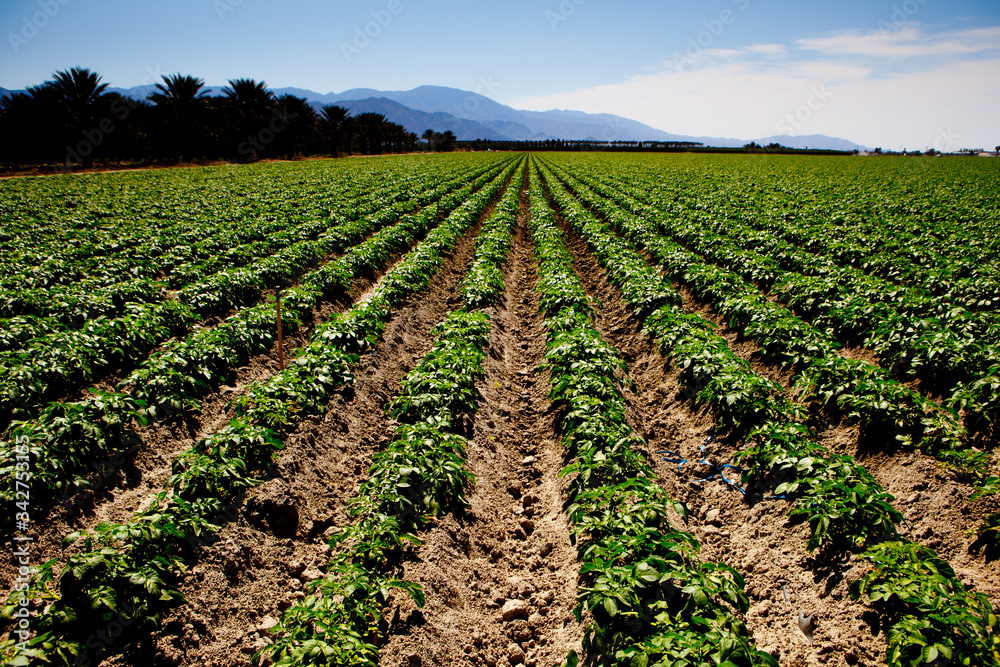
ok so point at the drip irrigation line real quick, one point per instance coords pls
(717, 470)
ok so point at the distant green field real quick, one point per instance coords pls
(936, 216)
(897, 255)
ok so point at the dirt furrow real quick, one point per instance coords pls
(938, 514)
(500, 578)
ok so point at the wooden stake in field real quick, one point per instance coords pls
(281, 349)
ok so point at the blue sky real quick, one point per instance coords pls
(893, 73)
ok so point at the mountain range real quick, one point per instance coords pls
(471, 116)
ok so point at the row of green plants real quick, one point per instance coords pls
(869, 397)
(108, 228)
(483, 282)
(854, 390)
(369, 212)
(34, 312)
(69, 306)
(381, 200)
(950, 346)
(968, 283)
(74, 264)
(59, 308)
(138, 566)
(66, 437)
(924, 224)
(65, 360)
(651, 600)
(930, 612)
(922, 249)
(925, 254)
(29, 313)
(418, 477)
(38, 319)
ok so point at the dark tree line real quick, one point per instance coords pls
(73, 119)
(439, 141)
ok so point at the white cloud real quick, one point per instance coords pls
(908, 41)
(698, 56)
(722, 54)
(767, 49)
(836, 85)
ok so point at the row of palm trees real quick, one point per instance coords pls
(73, 119)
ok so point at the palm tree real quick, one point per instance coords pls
(72, 98)
(26, 126)
(349, 135)
(395, 137)
(371, 128)
(249, 96)
(181, 100)
(297, 130)
(178, 91)
(250, 103)
(80, 89)
(335, 117)
(429, 136)
(447, 140)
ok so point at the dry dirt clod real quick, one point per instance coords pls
(514, 609)
(266, 624)
(520, 631)
(515, 655)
